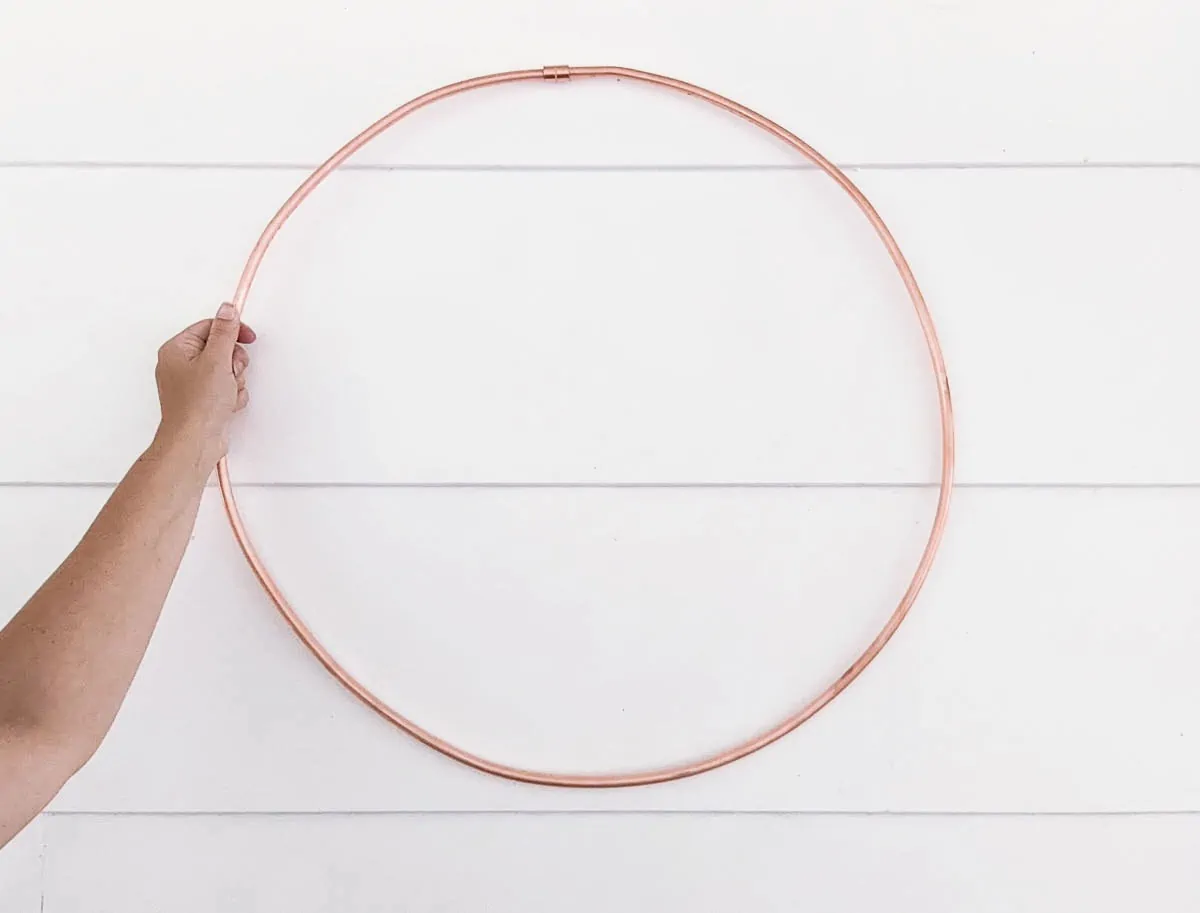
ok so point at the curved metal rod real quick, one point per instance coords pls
(783, 727)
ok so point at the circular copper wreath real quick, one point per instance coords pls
(780, 729)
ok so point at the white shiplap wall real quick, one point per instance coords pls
(702, 350)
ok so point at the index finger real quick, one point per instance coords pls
(199, 331)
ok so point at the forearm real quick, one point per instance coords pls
(69, 656)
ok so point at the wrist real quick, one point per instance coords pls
(189, 456)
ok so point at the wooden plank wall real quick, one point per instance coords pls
(594, 430)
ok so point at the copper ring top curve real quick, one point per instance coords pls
(761, 739)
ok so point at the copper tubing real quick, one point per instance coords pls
(783, 727)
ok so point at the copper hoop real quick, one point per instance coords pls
(733, 753)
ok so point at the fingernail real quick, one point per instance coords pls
(226, 312)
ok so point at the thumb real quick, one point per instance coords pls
(223, 334)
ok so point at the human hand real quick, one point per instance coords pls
(201, 378)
